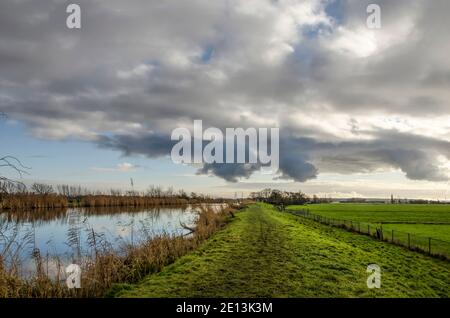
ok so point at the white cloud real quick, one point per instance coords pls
(121, 167)
(362, 42)
(139, 71)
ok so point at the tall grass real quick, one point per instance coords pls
(20, 201)
(108, 200)
(43, 196)
(32, 201)
(107, 267)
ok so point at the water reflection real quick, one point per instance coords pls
(69, 234)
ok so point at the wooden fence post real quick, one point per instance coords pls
(392, 236)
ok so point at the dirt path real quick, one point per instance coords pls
(266, 253)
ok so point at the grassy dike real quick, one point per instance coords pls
(266, 253)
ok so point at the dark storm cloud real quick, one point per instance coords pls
(151, 145)
(229, 172)
(416, 156)
(302, 159)
(138, 69)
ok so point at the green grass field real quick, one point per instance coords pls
(438, 231)
(384, 213)
(422, 221)
(426, 220)
(266, 253)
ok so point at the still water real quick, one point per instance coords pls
(68, 235)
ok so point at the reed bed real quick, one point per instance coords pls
(107, 267)
(107, 200)
(58, 201)
(32, 201)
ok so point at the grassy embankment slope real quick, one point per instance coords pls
(266, 253)
(421, 219)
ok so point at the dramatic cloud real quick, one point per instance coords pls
(347, 99)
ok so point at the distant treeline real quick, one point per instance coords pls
(19, 196)
(391, 201)
(279, 197)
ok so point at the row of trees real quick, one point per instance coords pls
(73, 192)
(278, 197)
(40, 196)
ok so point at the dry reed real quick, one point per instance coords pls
(107, 267)
(20, 201)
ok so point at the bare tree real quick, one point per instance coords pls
(155, 191)
(41, 188)
(170, 192)
(63, 189)
(12, 163)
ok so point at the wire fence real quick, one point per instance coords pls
(429, 245)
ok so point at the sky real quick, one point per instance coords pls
(362, 112)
